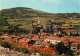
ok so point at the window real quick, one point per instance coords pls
(74, 48)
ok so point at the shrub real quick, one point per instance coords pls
(6, 44)
(60, 48)
(13, 46)
(24, 50)
(51, 46)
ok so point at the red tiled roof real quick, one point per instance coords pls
(70, 30)
(47, 44)
(5, 34)
(35, 39)
(4, 37)
(9, 39)
(44, 42)
(78, 50)
(45, 33)
(55, 38)
(74, 44)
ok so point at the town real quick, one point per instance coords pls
(53, 38)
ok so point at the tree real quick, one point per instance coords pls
(60, 48)
(15, 29)
(6, 44)
(0, 34)
(51, 46)
(3, 22)
(32, 42)
(69, 45)
(24, 50)
(68, 52)
(78, 46)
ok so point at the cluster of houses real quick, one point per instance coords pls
(45, 35)
(43, 40)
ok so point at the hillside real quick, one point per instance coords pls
(68, 15)
(21, 12)
(25, 16)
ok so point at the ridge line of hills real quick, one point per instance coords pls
(22, 12)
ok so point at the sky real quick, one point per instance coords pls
(51, 6)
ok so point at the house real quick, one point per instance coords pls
(15, 38)
(36, 28)
(74, 46)
(38, 44)
(4, 36)
(50, 28)
(35, 37)
(23, 40)
(53, 39)
(70, 32)
(46, 34)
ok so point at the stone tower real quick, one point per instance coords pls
(38, 21)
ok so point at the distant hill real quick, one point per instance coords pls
(68, 15)
(22, 12)
(25, 16)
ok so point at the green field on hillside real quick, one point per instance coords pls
(27, 23)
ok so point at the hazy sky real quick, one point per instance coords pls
(52, 6)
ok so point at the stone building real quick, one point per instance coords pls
(50, 27)
(36, 28)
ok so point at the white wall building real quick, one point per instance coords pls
(53, 40)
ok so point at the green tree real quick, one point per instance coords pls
(6, 44)
(24, 50)
(68, 52)
(51, 46)
(32, 42)
(3, 22)
(60, 48)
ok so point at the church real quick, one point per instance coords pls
(36, 28)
